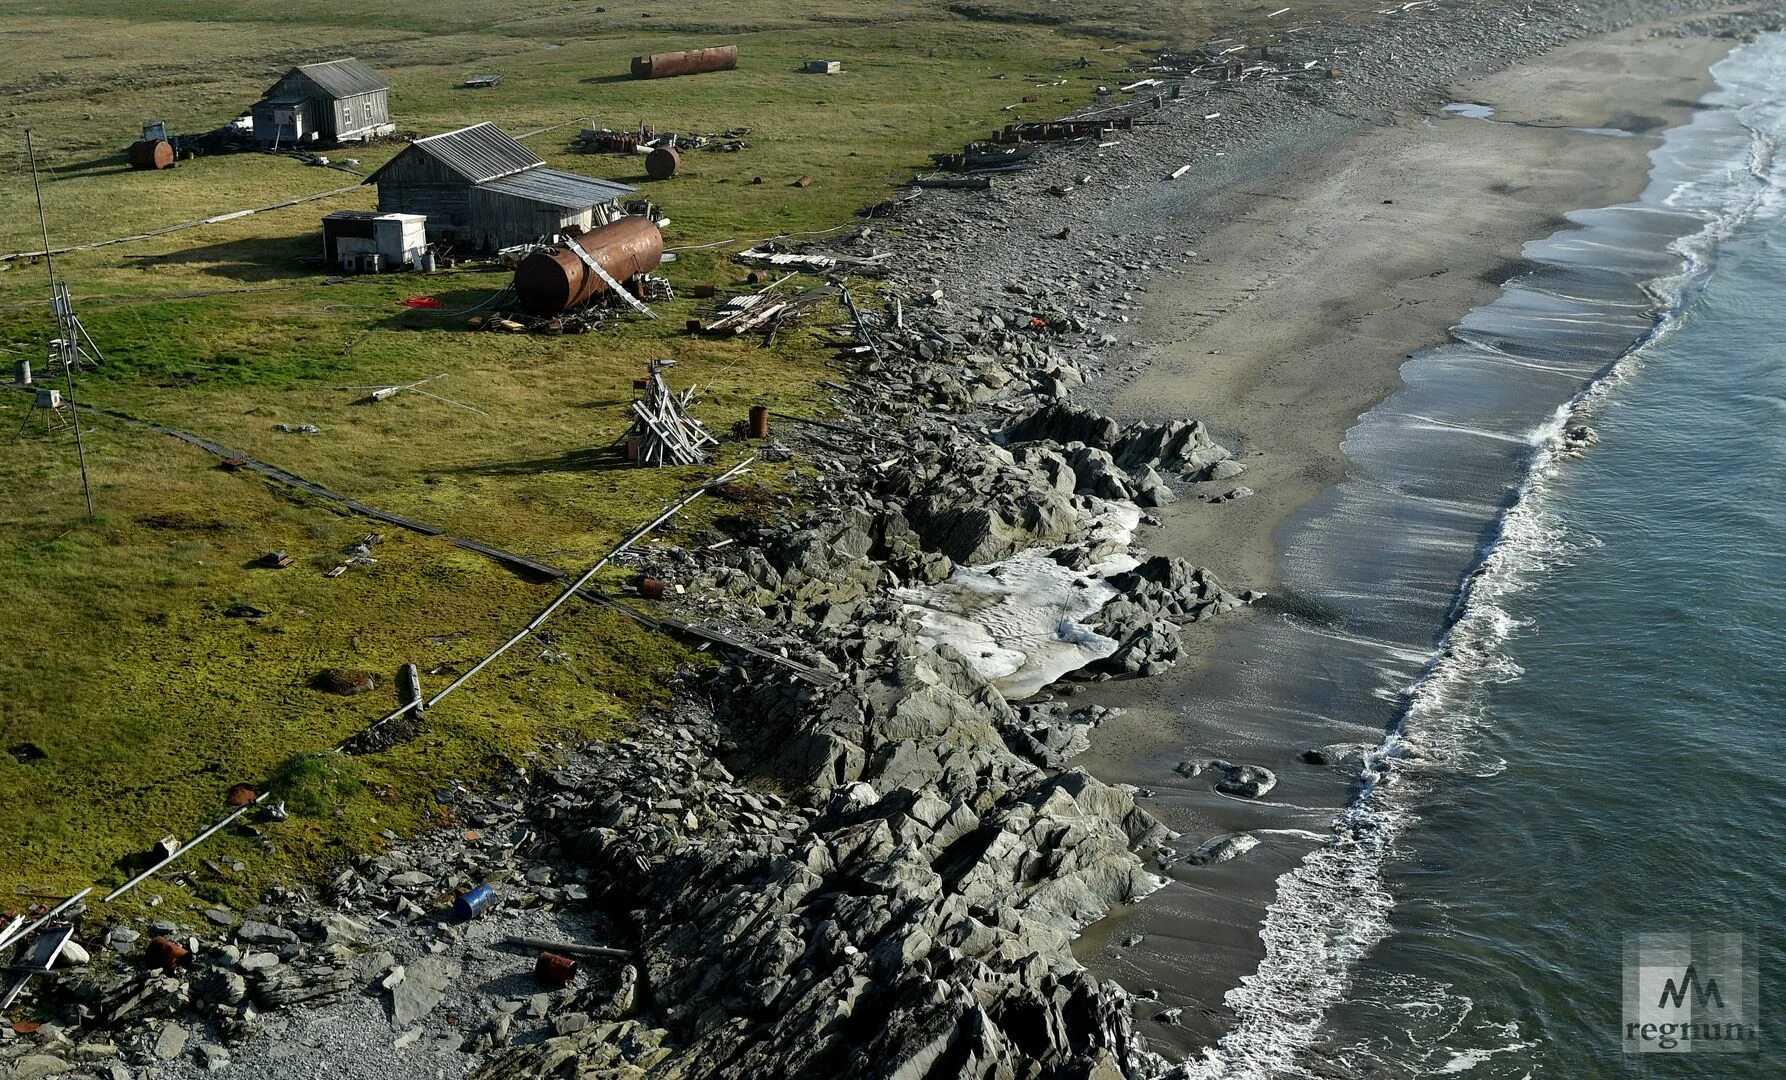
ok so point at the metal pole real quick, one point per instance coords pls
(181, 850)
(14, 938)
(70, 346)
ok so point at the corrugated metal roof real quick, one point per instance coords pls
(480, 152)
(337, 78)
(555, 187)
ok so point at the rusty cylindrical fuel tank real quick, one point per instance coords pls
(557, 279)
(662, 163)
(689, 62)
(151, 154)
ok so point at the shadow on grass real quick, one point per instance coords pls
(601, 80)
(256, 260)
(588, 459)
(110, 163)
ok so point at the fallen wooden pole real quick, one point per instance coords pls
(566, 948)
(501, 555)
(215, 219)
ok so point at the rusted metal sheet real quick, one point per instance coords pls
(553, 280)
(662, 163)
(150, 154)
(688, 62)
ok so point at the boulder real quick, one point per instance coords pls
(1246, 781)
(1221, 849)
(424, 985)
(1061, 422)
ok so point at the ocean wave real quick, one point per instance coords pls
(1334, 907)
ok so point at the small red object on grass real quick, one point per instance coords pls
(422, 302)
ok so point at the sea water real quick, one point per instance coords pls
(1594, 746)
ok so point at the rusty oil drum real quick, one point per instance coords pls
(149, 154)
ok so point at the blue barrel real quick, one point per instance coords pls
(474, 903)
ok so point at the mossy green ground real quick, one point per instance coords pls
(118, 659)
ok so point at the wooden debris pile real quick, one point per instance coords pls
(522, 322)
(1056, 130)
(980, 157)
(643, 139)
(782, 257)
(662, 432)
(765, 311)
(1234, 63)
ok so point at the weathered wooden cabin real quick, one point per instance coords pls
(340, 101)
(482, 190)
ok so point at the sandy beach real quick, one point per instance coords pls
(1292, 321)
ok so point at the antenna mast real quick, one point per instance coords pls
(65, 333)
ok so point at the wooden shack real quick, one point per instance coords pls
(326, 104)
(481, 190)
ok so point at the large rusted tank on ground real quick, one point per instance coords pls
(688, 62)
(151, 154)
(557, 279)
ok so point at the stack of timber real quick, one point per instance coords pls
(750, 311)
(981, 157)
(1052, 130)
(661, 433)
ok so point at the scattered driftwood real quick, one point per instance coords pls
(810, 261)
(957, 183)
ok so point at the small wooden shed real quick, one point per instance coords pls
(338, 101)
(482, 190)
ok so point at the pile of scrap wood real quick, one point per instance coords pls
(521, 322)
(643, 139)
(780, 258)
(1236, 63)
(766, 311)
(889, 207)
(1055, 130)
(662, 433)
(986, 157)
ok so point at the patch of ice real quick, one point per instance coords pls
(1019, 621)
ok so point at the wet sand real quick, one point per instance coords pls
(1307, 295)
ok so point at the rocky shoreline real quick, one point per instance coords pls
(879, 877)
